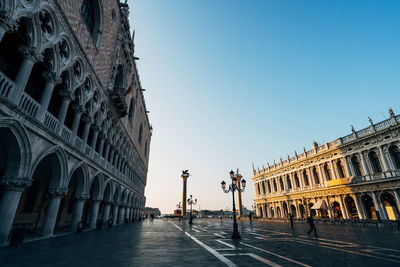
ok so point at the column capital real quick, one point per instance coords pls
(97, 199)
(52, 77)
(58, 192)
(82, 197)
(15, 183)
(7, 22)
(87, 119)
(78, 108)
(29, 52)
(96, 129)
(67, 95)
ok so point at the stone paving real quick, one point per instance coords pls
(171, 242)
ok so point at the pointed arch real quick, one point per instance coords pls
(20, 147)
(60, 155)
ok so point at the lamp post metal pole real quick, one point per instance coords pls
(235, 234)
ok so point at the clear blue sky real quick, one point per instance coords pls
(234, 82)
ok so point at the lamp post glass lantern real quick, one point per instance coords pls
(234, 187)
(191, 202)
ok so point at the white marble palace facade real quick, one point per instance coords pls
(353, 177)
(74, 130)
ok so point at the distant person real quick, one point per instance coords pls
(291, 221)
(310, 221)
(250, 216)
(152, 217)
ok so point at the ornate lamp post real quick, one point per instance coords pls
(233, 187)
(191, 202)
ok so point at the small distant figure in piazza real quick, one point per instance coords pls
(310, 221)
(250, 216)
(291, 221)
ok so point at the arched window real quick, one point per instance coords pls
(327, 173)
(289, 183)
(258, 189)
(269, 187)
(356, 166)
(395, 155)
(305, 178)
(92, 15)
(131, 114)
(275, 187)
(281, 184)
(375, 163)
(263, 187)
(340, 168)
(140, 133)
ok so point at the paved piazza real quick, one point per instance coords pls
(165, 242)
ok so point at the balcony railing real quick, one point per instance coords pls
(29, 105)
(66, 134)
(51, 121)
(6, 85)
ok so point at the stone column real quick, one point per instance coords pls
(77, 213)
(31, 56)
(121, 214)
(359, 207)
(112, 155)
(298, 214)
(263, 210)
(322, 175)
(364, 163)
(379, 207)
(13, 188)
(184, 196)
(127, 213)
(88, 121)
(107, 150)
(77, 119)
(94, 213)
(94, 139)
(311, 179)
(66, 99)
(330, 211)
(115, 213)
(101, 145)
(333, 168)
(106, 212)
(52, 79)
(386, 166)
(343, 208)
(348, 168)
(397, 198)
(52, 210)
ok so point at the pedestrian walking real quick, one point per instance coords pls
(250, 216)
(310, 221)
(291, 221)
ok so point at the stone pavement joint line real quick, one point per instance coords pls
(277, 255)
(331, 246)
(264, 260)
(209, 249)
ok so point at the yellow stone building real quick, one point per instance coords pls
(353, 177)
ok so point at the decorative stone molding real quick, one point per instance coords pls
(52, 77)
(58, 192)
(82, 197)
(30, 53)
(15, 183)
(7, 22)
